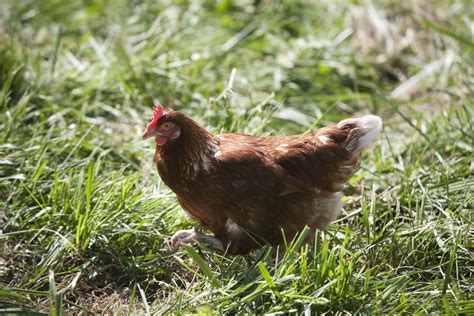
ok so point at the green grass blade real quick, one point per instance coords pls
(203, 266)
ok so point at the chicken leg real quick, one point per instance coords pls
(192, 236)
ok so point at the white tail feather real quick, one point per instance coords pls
(369, 127)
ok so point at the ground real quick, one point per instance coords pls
(86, 221)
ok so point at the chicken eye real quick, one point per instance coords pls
(166, 125)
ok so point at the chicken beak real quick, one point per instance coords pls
(148, 133)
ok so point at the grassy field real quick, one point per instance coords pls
(85, 220)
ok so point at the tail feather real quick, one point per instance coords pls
(363, 131)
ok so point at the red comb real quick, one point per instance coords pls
(158, 112)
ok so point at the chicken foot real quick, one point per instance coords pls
(192, 236)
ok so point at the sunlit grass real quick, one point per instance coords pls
(85, 220)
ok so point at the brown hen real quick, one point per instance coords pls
(250, 191)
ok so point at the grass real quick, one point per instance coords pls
(85, 220)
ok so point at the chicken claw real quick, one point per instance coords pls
(191, 237)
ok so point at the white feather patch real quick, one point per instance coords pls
(231, 227)
(372, 125)
(326, 209)
(369, 127)
(282, 147)
(324, 139)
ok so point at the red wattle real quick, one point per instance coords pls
(160, 140)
